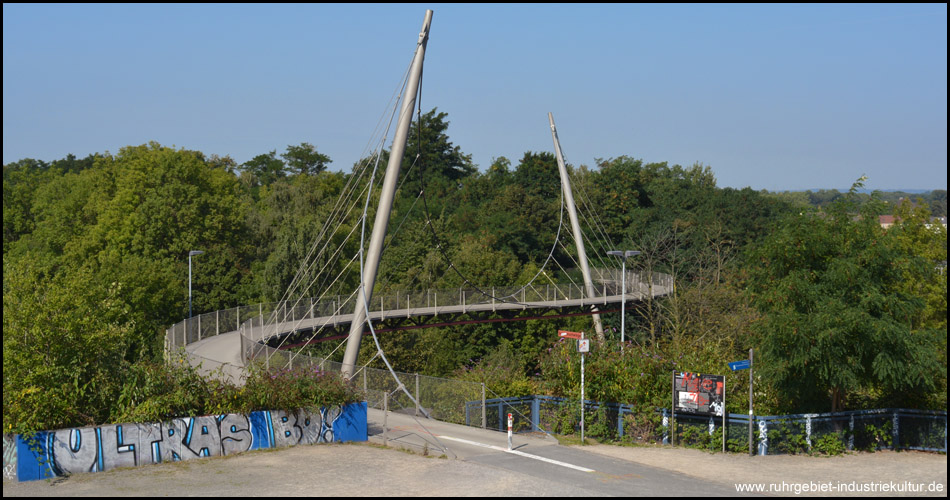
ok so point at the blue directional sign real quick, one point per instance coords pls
(739, 365)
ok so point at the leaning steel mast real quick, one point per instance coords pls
(375, 250)
(578, 236)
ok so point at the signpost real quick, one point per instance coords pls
(564, 334)
(742, 365)
(582, 341)
(583, 346)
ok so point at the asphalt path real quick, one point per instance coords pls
(537, 455)
(442, 460)
(409, 456)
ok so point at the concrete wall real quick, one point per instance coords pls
(94, 449)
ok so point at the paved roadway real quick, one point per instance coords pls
(538, 466)
(569, 469)
(488, 469)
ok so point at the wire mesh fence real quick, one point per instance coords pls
(435, 397)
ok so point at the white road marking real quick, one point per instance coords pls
(520, 453)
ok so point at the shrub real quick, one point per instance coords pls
(289, 389)
(502, 373)
(154, 392)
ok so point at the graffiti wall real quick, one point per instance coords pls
(94, 449)
(9, 456)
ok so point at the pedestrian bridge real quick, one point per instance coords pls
(229, 338)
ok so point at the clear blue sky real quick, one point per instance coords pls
(769, 96)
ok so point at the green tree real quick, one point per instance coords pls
(65, 338)
(838, 322)
(264, 169)
(130, 221)
(428, 148)
(291, 223)
(304, 159)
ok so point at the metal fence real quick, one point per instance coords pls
(438, 398)
(202, 326)
(549, 414)
(896, 429)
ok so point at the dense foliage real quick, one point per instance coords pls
(843, 313)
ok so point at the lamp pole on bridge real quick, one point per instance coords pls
(623, 254)
(190, 255)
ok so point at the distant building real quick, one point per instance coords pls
(887, 221)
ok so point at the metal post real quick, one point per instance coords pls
(896, 432)
(484, 419)
(417, 394)
(724, 414)
(623, 254)
(375, 249)
(578, 236)
(385, 418)
(751, 415)
(582, 393)
(535, 414)
(851, 433)
(673, 408)
(623, 299)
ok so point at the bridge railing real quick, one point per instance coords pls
(607, 282)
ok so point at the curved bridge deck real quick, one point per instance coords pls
(221, 338)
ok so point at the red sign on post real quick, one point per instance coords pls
(564, 334)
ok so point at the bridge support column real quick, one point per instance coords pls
(375, 250)
(578, 236)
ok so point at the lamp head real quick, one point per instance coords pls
(623, 253)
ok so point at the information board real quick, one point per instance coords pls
(698, 393)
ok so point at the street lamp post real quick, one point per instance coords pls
(190, 254)
(623, 254)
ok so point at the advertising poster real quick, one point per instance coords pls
(698, 393)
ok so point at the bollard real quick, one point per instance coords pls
(509, 431)
(385, 418)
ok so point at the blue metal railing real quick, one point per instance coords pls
(886, 428)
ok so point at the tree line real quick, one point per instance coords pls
(842, 313)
